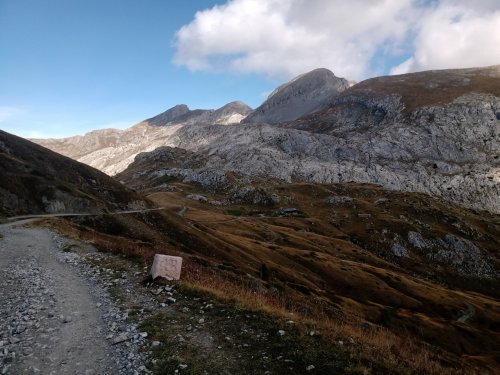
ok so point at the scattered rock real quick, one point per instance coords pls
(340, 199)
(121, 338)
(288, 211)
(417, 240)
(399, 250)
(253, 195)
(197, 197)
(463, 256)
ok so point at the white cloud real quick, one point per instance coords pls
(456, 34)
(288, 37)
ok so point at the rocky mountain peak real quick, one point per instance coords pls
(304, 94)
(234, 107)
(230, 113)
(169, 115)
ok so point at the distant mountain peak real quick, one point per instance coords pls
(319, 74)
(302, 95)
(230, 113)
(237, 107)
(169, 115)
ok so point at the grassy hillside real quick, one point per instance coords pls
(433, 87)
(37, 180)
(409, 278)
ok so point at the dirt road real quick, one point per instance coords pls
(49, 317)
(40, 216)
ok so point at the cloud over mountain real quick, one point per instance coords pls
(456, 34)
(287, 37)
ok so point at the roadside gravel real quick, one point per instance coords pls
(56, 314)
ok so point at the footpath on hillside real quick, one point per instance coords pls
(68, 308)
(53, 319)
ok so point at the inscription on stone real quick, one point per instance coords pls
(166, 266)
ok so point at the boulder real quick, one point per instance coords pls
(166, 266)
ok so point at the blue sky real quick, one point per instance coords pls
(71, 66)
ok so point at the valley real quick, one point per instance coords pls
(335, 228)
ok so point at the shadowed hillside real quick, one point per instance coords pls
(37, 180)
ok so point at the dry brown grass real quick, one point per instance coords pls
(371, 343)
(433, 88)
(103, 242)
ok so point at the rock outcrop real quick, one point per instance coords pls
(303, 95)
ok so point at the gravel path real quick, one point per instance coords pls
(56, 317)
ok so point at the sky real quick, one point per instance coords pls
(71, 66)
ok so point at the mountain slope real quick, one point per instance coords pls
(36, 180)
(112, 150)
(353, 256)
(398, 97)
(304, 94)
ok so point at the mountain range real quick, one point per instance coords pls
(435, 132)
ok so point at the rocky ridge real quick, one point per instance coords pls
(169, 115)
(231, 113)
(433, 132)
(112, 150)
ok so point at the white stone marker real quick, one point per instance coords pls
(166, 266)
